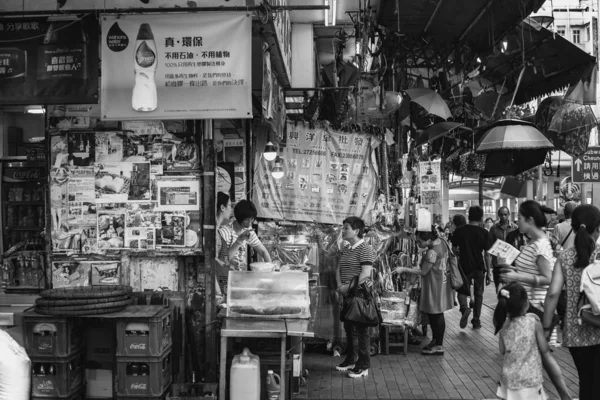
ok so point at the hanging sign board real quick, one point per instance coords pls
(430, 179)
(328, 176)
(192, 66)
(48, 62)
(586, 168)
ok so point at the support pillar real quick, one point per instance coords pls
(445, 200)
(209, 213)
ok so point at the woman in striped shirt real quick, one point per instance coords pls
(533, 267)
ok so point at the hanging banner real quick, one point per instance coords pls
(328, 176)
(430, 179)
(48, 62)
(192, 66)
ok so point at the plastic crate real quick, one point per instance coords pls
(59, 377)
(48, 336)
(76, 396)
(193, 391)
(144, 336)
(163, 396)
(131, 383)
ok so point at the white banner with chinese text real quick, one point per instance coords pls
(193, 66)
(328, 176)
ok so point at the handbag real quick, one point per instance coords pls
(359, 306)
(458, 278)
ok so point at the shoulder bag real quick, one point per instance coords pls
(359, 306)
(458, 279)
(589, 300)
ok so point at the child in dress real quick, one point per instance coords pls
(524, 349)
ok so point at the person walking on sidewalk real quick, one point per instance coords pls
(436, 292)
(500, 231)
(355, 259)
(563, 232)
(470, 243)
(582, 340)
(523, 348)
(533, 267)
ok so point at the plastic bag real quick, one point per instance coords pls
(414, 315)
(15, 368)
(393, 308)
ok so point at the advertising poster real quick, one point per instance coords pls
(141, 224)
(173, 227)
(70, 274)
(180, 195)
(122, 181)
(145, 148)
(82, 197)
(430, 181)
(105, 273)
(192, 66)
(46, 61)
(81, 146)
(111, 225)
(328, 176)
(180, 156)
(109, 146)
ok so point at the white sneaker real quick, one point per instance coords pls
(358, 373)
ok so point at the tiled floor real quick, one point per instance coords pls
(469, 369)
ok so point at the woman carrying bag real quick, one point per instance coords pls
(354, 279)
(436, 292)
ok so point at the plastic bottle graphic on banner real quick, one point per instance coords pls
(144, 96)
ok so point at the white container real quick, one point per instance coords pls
(262, 267)
(244, 377)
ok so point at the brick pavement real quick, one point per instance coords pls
(469, 369)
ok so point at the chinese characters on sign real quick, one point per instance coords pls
(586, 168)
(184, 66)
(328, 176)
(430, 180)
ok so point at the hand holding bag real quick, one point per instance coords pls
(359, 306)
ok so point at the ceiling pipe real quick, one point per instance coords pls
(435, 13)
(476, 20)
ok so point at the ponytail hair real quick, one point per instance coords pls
(536, 211)
(585, 220)
(512, 299)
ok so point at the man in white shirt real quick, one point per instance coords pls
(563, 232)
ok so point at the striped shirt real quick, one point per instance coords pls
(526, 263)
(228, 237)
(353, 258)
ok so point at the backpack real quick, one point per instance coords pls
(589, 299)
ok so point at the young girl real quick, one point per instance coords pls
(524, 348)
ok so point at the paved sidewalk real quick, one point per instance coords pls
(470, 368)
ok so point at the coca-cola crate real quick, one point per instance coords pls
(144, 336)
(193, 391)
(143, 377)
(75, 396)
(58, 377)
(48, 336)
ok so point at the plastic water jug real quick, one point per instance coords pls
(273, 385)
(244, 381)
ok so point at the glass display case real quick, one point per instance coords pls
(268, 295)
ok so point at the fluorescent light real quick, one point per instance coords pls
(326, 12)
(505, 44)
(34, 110)
(333, 13)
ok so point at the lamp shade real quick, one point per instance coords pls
(270, 151)
(277, 171)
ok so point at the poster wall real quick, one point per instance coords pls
(48, 62)
(192, 66)
(328, 176)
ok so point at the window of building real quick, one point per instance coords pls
(589, 36)
(576, 36)
(560, 30)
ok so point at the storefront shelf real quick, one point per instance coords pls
(25, 203)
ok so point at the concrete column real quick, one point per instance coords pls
(303, 56)
(445, 200)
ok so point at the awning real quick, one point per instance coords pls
(437, 28)
(552, 62)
